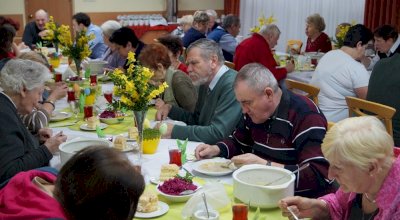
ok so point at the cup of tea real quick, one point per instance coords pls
(87, 111)
(175, 155)
(93, 79)
(314, 61)
(71, 95)
(240, 211)
(57, 77)
(108, 96)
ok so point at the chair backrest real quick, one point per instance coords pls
(229, 64)
(303, 89)
(361, 107)
(330, 125)
(290, 46)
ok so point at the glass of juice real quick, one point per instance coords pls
(71, 95)
(93, 79)
(87, 111)
(239, 211)
(108, 96)
(57, 77)
(175, 155)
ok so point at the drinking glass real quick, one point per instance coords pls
(74, 106)
(93, 79)
(87, 111)
(108, 96)
(175, 155)
(57, 77)
(71, 95)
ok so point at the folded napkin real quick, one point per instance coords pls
(182, 148)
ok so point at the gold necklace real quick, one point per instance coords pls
(369, 199)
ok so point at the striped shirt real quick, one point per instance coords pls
(291, 136)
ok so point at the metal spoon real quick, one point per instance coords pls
(292, 213)
(286, 175)
(205, 203)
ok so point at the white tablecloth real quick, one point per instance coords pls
(302, 76)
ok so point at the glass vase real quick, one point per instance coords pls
(78, 63)
(139, 120)
(55, 44)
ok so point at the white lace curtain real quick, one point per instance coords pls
(291, 16)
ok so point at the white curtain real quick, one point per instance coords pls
(291, 16)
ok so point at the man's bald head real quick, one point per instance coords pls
(41, 17)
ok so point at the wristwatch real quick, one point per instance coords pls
(50, 102)
(269, 163)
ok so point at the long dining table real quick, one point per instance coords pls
(151, 162)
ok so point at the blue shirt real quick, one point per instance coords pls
(96, 45)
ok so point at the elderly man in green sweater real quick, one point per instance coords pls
(217, 112)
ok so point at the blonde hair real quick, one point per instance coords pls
(200, 17)
(186, 19)
(317, 21)
(358, 141)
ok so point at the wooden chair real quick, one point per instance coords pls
(291, 43)
(230, 64)
(330, 125)
(304, 88)
(361, 107)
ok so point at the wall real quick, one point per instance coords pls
(17, 6)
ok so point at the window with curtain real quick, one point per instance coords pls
(291, 16)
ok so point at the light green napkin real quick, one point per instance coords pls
(99, 132)
(182, 148)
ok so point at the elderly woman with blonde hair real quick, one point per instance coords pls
(360, 153)
(317, 41)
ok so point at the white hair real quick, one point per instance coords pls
(270, 29)
(17, 74)
(257, 77)
(109, 27)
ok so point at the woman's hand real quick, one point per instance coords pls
(55, 141)
(304, 208)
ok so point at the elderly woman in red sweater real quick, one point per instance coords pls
(317, 40)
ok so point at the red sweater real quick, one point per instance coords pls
(321, 43)
(255, 49)
(22, 199)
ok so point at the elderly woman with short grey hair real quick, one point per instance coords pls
(22, 82)
(360, 153)
(111, 55)
(317, 41)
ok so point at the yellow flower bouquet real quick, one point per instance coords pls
(76, 50)
(341, 32)
(54, 32)
(134, 87)
(261, 22)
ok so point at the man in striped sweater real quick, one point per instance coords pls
(278, 128)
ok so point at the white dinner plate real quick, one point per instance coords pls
(130, 147)
(129, 139)
(168, 120)
(198, 167)
(59, 116)
(162, 209)
(86, 128)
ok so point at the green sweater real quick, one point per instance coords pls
(384, 88)
(215, 116)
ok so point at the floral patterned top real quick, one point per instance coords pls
(387, 200)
